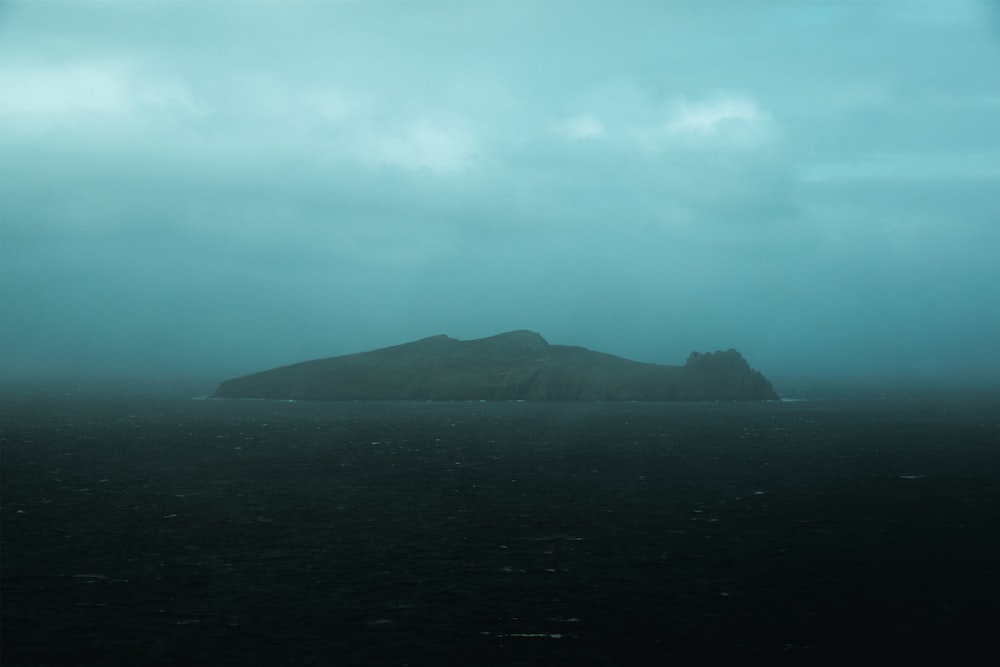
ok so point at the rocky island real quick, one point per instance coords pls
(518, 365)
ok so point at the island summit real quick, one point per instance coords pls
(513, 366)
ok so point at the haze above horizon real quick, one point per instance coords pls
(209, 189)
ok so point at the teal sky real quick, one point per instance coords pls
(212, 188)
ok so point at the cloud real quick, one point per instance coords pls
(51, 93)
(94, 91)
(734, 118)
(437, 147)
(584, 126)
(962, 166)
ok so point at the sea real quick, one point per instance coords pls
(148, 529)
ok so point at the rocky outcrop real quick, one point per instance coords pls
(518, 365)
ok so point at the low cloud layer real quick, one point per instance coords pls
(204, 189)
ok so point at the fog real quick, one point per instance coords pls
(206, 189)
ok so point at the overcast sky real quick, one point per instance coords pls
(215, 188)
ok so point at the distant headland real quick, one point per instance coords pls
(517, 365)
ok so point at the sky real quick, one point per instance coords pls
(212, 188)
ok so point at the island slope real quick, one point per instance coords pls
(518, 365)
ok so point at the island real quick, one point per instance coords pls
(513, 366)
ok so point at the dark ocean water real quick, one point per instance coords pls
(139, 530)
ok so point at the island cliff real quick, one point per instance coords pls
(518, 365)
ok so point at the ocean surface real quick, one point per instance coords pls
(157, 530)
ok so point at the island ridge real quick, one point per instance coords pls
(517, 365)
